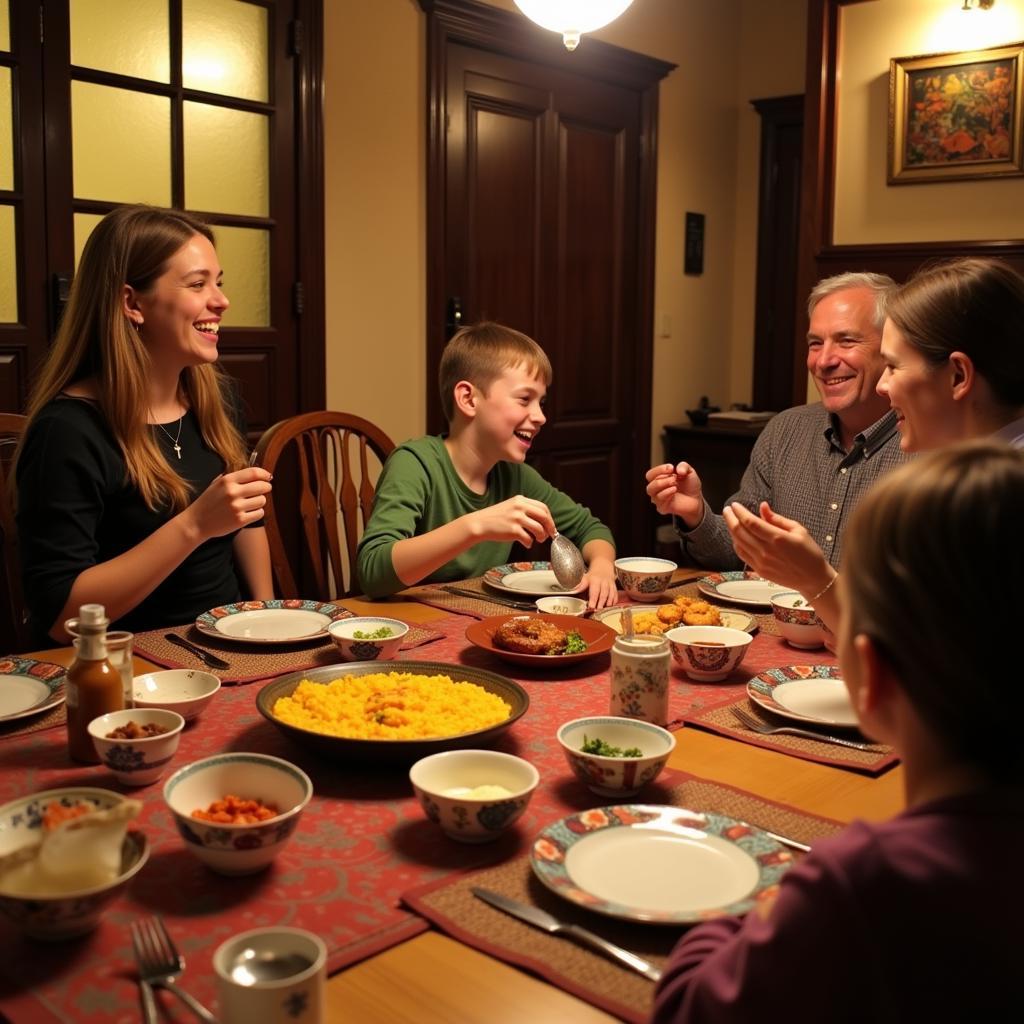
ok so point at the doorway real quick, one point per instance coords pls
(541, 168)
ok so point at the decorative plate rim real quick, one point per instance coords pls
(51, 676)
(548, 861)
(495, 576)
(760, 689)
(708, 585)
(207, 622)
(751, 627)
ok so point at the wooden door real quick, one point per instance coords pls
(541, 217)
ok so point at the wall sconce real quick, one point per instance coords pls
(571, 18)
(982, 4)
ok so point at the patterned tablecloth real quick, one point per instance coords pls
(362, 842)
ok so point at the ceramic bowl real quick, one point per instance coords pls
(643, 578)
(561, 605)
(797, 621)
(137, 762)
(442, 782)
(184, 690)
(354, 648)
(73, 913)
(616, 776)
(708, 653)
(237, 849)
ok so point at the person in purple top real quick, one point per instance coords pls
(917, 918)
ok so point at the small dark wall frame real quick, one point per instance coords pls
(956, 116)
(693, 256)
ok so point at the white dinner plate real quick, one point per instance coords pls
(731, 618)
(740, 588)
(28, 687)
(534, 579)
(270, 622)
(660, 864)
(806, 693)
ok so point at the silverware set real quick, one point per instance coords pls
(748, 721)
(201, 653)
(494, 599)
(159, 964)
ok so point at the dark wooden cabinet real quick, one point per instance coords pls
(719, 453)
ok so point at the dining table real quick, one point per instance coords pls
(384, 888)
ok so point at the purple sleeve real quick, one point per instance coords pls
(789, 966)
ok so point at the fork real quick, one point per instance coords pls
(159, 964)
(748, 721)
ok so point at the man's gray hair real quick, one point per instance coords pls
(880, 284)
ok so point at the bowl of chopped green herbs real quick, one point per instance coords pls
(613, 756)
(368, 638)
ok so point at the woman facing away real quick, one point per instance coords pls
(953, 346)
(916, 918)
(132, 480)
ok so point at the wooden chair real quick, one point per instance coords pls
(332, 460)
(14, 636)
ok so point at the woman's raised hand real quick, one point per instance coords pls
(232, 500)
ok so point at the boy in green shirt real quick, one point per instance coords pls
(450, 507)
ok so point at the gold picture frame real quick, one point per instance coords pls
(956, 116)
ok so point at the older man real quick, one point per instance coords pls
(811, 463)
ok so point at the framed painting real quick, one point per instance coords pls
(954, 116)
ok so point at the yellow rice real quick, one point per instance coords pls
(391, 706)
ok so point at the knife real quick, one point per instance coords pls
(520, 605)
(204, 656)
(543, 920)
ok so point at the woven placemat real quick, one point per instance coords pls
(36, 723)
(451, 907)
(436, 596)
(246, 665)
(721, 720)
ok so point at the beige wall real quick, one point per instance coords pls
(728, 52)
(866, 208)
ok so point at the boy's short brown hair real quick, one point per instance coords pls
(481, 353)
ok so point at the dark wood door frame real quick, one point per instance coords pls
(819, 257)
(480, 25)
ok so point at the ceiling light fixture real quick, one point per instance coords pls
(571, 18)
(983, 4)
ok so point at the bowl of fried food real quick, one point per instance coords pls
(237, 811)
(615, 756)
(396, 713)
(681, 611)
(65, 856)
(708, 654)
(541, 641)
(137, 744)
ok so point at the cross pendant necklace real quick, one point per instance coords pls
(174, 440)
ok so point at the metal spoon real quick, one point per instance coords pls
(252, 966)
(566, 562)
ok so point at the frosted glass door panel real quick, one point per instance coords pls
(121, 141)
(8, 271)
(226, 160)
(224, 48)
(127, 37)
(84, 223)
(6, 131)
(244, 255)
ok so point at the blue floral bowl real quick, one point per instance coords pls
(237, 849)
(379, 638)
(140, 760)
(473, 795)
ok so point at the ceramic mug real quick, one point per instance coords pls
(297, 997)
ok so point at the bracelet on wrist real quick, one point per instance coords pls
(825, 589)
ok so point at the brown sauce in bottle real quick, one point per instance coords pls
(92, 686)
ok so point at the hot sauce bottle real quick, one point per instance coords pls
(92, 686)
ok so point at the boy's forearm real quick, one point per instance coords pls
(415, 558)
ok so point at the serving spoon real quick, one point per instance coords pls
(566, 562)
